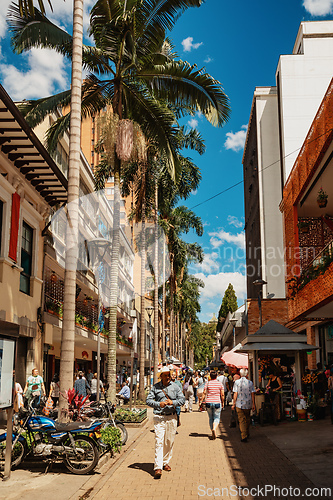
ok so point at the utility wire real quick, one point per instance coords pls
(264, 168)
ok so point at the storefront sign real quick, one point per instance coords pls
(7, 357)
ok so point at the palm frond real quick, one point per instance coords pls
(156, 121)
(156, 17)
(189, 87)
(38, 31)
(35, 31)
(35, 111)
(27, 7)
(56, 131)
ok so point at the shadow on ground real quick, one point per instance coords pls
(259, 462)
(146, 467)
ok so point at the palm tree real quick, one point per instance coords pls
(26, 9)
(180, 220)
(137, 73)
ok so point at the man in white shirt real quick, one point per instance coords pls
(224, 381)
(244, 400)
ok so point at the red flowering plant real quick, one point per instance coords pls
(76, 403)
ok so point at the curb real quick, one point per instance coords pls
(110, 465)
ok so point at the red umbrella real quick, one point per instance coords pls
(232, 358)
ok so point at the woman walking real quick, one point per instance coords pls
(188, 391)
(54, 389)
(214, 401)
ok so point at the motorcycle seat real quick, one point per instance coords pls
(70, 426)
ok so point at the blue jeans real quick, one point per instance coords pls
(214, 414)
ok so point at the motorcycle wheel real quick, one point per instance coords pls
(84, 461)
(18, 453)
(123, 430)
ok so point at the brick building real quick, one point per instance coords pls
(309, 236)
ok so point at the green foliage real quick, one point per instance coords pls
(126, 415)
(229, 304)
(202, 338)
(111, 436)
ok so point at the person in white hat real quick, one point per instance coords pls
(164, 397)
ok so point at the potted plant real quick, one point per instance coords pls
(303, 226)
(322, 198)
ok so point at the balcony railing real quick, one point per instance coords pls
(86, 307)
(315, 268)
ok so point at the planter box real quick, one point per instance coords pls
(140, 417)
(135, 424)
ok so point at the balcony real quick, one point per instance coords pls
(86, 309)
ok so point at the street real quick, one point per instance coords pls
(280, 459)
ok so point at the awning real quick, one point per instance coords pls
(27, 153)
(276, 346)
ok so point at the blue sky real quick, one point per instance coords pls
(239, 44)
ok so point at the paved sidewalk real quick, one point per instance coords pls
(29, 482)
(224, 465)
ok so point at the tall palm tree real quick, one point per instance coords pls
(132, 67)
(26, 9)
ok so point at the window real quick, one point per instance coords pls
(26, 258)
(1, 215)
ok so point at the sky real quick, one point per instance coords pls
(239, 44)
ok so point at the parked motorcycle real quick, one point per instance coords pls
(35, 435)
(105, 412)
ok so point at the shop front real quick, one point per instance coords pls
(276, 349)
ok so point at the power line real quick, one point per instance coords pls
(264, 168)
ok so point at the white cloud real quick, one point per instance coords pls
(318, 7)
(220, 237)
(45, 75)
(194, 192)
(208, 59)
(188, 44)
(216, 284)
(3, 12)
(209, 264)
(193, 123)
(235, 141)
(234, 221)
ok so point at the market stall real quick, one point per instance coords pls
(277, 348)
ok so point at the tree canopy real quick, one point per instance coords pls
(229, 304)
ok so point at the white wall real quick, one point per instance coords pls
(271, 223)
(304, 79)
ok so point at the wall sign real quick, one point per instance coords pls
(7, 357)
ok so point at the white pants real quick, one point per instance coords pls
(165, 431)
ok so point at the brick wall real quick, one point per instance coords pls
(311, 339)
(275, 309)
(314, 148)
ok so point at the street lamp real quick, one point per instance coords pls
(260, 283)
(150, 311)
(96, 250)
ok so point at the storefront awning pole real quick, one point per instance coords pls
(298, 371)
(255, 369)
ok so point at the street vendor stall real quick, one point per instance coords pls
(277, 348)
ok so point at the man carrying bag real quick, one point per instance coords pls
(164, 397)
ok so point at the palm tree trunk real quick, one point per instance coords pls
(171, 315)
(143, 303)
(163, 306)
(68, 325)
(112, 338)
(156, 322)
